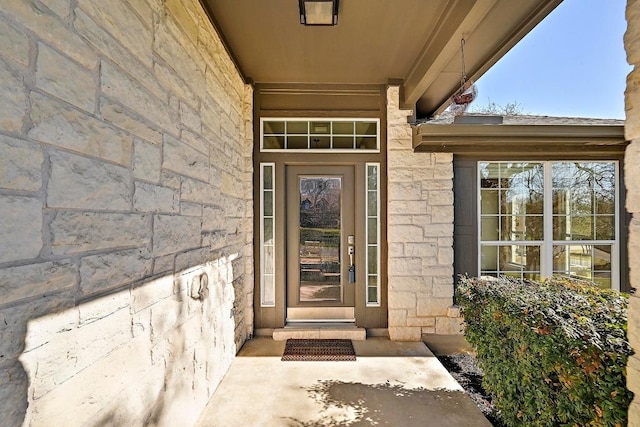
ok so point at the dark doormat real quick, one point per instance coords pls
(318, 350)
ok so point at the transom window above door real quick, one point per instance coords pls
(295, 134)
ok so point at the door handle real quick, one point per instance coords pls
(352, 267)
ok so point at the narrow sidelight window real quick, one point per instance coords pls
(267, 235)
(373, 233)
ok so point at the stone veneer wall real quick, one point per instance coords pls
(125, 174)
(632, 178)
(420, 234)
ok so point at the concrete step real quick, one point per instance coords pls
(320, 331)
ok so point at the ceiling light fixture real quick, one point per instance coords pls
(318, 12)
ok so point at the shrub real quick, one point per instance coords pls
(553, 353)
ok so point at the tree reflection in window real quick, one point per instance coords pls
(320, 236)
(583, 217)
(584, 200)
(512, 207)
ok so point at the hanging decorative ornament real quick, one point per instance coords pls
(464, 96)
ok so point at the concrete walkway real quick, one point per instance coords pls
(391, 383)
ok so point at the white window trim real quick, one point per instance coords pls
(325, 150)
(546, 245)
(263, 265)
(367, 243)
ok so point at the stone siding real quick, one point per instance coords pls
(632, 180)
(420, 234)
(126, 269)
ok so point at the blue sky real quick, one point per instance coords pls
(572, 64)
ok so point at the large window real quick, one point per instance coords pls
(544, 218)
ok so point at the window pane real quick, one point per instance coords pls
(489, 175)
(372, 203)
(344, 142)
(531, 258)
(602, 258)
(366, 143)
(267, 177)
(268, 230)
(373, 259)
(534, 203)
(344, 128)
(506, 205)
(582, 228)
(605, 202)
(320, 128)
(268, 260)
(574, 260)
(516, 258)
(372, 295)
(561, 201)
(273, 142)
(297, 127)
(605, 228)
(268, 289)
(489, 258)
(582, 202)
(273, 127)
(512, 228)
(297, 142)
(268, 203)
(372, 177)
(510, 258)
(320, 142)
(489, 202)
(534, 228)
(372, 230)
(561, 228)
(490, 228)
(366, 128)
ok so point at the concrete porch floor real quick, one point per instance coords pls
(391, 383)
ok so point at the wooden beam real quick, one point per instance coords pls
(459, 18)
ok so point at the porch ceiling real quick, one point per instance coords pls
(415, 42)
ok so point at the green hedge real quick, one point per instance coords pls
(553, 353)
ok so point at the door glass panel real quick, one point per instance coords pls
(320, 237)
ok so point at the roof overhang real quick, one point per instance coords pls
(414, 43)
(531, 140)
